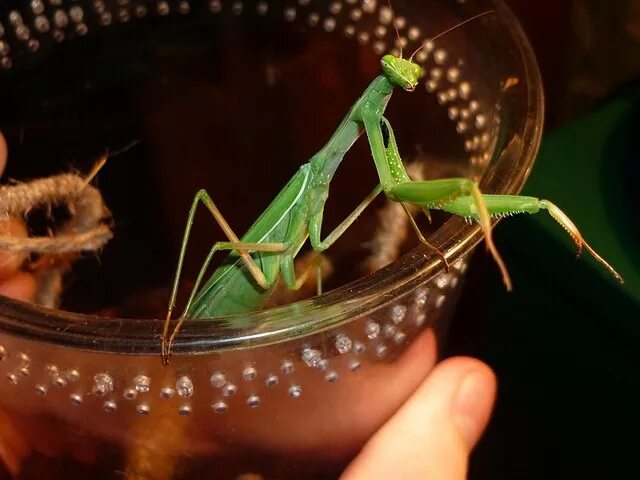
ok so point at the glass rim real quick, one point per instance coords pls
(455, 238)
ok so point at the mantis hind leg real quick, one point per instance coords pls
(167, 341)
(294, 282)
(203, 197)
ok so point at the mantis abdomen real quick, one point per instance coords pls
(232, 289)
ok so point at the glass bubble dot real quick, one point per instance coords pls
(271, 380)
(142, 383)
(290, 14)
(37, 6)
(76, 13)
(322, 365)
(389, 330)
(102, 384)
(372, 329)
(421, 297)
(331, 376)
(399, 337)
(381, 350)
(398, 312)
(184, 386)
(130, 393)
(219, 407)
(311, 356)
(236, 8)
(167, 392)
(287, 367)
(229, 390)
(59, 381)
(343, 344)
(249, 373)
(335, 7)
(295, 391)
(218, 379)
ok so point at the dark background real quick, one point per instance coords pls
(564, 344)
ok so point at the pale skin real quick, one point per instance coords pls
(432, 435)
(14, 282)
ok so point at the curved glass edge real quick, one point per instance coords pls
(354, 300)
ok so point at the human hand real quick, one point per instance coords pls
(433, 433)
(14, 282)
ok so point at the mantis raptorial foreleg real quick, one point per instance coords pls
(430, 193)
(459, 196)
(506, 205)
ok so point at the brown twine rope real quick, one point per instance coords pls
(83, 231)
(86, 230)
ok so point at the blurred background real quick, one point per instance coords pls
(567, 360)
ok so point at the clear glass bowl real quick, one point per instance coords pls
(298, 389)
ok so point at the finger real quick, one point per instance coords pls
(4, 153)
(21, 286)
(10, 262)
(432, 435)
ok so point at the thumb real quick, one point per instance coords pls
(432, 434)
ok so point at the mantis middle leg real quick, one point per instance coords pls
(242, 248)
(315, 223)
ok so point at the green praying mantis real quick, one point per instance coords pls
(267, 251)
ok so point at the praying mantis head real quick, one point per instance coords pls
(401, 72)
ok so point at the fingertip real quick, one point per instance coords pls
(473, 401)
(4, 153)
(21, 286)
(433, 433)
(10, 262)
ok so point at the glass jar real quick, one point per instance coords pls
(235, 94)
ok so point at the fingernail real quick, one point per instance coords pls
(470, 406)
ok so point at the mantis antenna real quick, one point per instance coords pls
(395, 27)
(475, 17)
